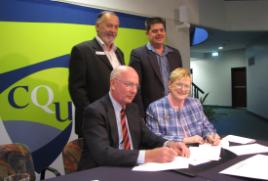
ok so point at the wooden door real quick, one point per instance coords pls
(239, 87)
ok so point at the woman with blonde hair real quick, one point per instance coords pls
(178, 116)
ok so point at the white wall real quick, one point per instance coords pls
(213, 75)
(247, 15)
(143, 8)
(232, 15)
(212, 14)
(257, 84)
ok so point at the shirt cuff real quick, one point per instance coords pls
(165, 144)
(141, 157)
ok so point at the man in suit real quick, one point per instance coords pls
(154, 62)
(91, 63)
(106, 143)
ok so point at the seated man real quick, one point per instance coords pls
(179, 117)
(116, 135)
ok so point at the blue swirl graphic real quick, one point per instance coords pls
(9, 78)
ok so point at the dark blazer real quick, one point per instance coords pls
(144, 61)
(101, 136)
(89, 76)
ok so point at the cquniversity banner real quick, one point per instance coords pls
(36, 38)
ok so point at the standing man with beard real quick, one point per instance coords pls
(90, 66)
(153, 63)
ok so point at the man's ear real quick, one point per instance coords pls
(112, 85)
(97, 27)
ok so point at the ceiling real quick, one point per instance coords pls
(229, 40)
(243, 0)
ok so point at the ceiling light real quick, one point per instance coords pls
(215, 54)
(220, 47)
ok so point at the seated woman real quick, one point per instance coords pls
(178, 116)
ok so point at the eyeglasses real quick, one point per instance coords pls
(180, 86)
(129, 84)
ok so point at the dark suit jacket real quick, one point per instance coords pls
(101, 136)
(89, 76)
(144, 61)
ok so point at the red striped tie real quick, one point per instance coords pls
(126, 141)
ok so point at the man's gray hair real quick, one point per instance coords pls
(102, 14)
(118, 70)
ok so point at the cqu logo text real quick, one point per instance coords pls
(43, 106)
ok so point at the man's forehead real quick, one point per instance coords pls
(129, 74)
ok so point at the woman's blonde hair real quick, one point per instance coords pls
(179, 73)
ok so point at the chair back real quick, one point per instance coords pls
(15, 158)
(71, 155)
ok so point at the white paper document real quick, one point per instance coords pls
(204, 153)
(238, 139)
(248, 149)
(177, 163)
(198, 155)
(253, 167)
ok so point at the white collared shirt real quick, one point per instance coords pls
(117, 108)
(110, 53)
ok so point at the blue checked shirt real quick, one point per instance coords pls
(174, 124)
(163, 64)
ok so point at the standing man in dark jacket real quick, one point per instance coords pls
(91, 63)
(154, 62)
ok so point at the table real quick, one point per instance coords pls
(124, 174)
(210, 173)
